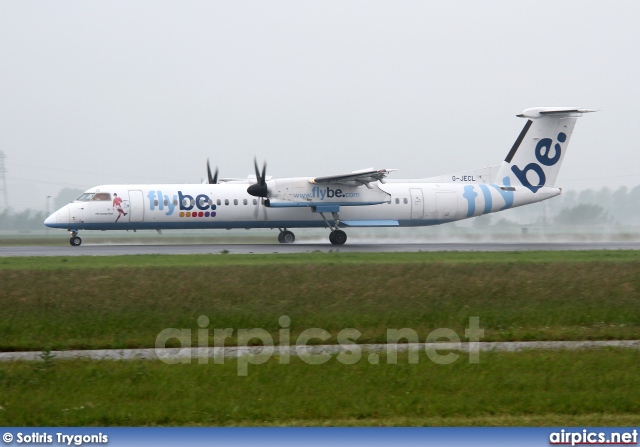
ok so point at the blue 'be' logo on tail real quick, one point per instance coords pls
(543, 152)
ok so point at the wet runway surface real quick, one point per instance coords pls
(382, 247)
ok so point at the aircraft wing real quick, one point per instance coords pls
(363, 177)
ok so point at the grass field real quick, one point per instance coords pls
(591, 387)
(124, 302)
(316, 258)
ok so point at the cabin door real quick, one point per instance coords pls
(417, 204)
(136, 206)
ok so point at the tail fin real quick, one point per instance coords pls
(535, 158)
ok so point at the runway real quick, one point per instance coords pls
(381, 247)
(171, 355)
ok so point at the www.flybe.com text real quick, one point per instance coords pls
(325, 193)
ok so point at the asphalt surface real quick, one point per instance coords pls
(381, 247)
(194, 353)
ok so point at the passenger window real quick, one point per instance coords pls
(255, 201)
(226, 201)
(155, 202)
(219, 202)
(175, 202)
(166, 202)
(406, 200)
(102, 196)
(397, 201)
(235, 201)
(245, 201)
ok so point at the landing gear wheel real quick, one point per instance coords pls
(338, 237)
(286, 237)
(75, 241)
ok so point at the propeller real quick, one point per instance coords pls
(259, 189)
(256, 210)
(213, 179)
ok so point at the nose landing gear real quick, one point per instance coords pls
(75, 240)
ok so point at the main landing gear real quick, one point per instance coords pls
(286, 237)
(337, 236)
(75, 240)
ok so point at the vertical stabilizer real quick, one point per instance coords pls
(535, 158)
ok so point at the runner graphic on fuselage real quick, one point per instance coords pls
(117, 204)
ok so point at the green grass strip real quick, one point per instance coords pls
(312, 258)
(589, 387)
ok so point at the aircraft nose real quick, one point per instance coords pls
(59, 219)
(51, 220)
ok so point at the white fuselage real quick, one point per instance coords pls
(293, 203)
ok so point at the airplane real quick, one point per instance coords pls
(365, 198)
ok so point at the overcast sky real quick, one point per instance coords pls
(144, 91)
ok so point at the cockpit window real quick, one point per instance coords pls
(85, 197)
(102, 196)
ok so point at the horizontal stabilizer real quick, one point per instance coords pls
(538, 112)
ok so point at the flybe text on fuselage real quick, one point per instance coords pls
(184, 202)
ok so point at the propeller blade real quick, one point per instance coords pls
(255, 165)
(209, 176)
(213, 179)
(263, 179)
